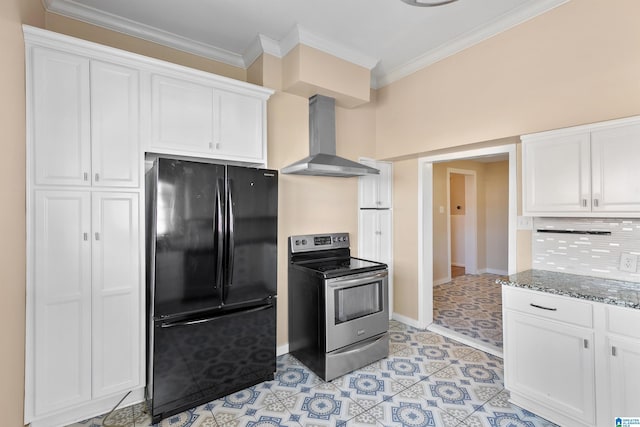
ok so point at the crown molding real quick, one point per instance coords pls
(71, 9)
(499, 25)
(298, 35)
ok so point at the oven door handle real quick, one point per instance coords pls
(364, 279)
(359, 349)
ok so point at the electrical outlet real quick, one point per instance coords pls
(629, 262)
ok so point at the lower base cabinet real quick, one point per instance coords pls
(86, 318)
(574, 362)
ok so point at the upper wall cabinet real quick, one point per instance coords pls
(196, 118)
(583, 171)
(85, 121)
(375, 191)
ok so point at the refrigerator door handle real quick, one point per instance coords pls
(232, 245)
(220, 237)
(214, 318)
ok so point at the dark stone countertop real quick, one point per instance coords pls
(614, 292)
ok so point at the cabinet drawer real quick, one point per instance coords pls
(623, 321)
(548, 306)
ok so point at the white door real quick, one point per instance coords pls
(62, 285)
(181, 115)
(551, 362)
(238, 126)
(114, 125)
(116, 292)
(556, 174)
(61, 128)
(624, 374)
(385, 243)
(616, 175)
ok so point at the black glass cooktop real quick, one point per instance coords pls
(336, 267)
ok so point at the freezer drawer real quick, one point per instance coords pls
(197, 360)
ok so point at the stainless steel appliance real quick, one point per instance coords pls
(211, 281)
(338, 305)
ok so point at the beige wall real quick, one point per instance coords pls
(575, 64)
(496, 202)
(457, 204)
(82, 30)
(13, 13)
(309, 204)
(440, 257)
(405, 238)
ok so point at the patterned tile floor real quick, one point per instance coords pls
(428, 380)
(472, 306)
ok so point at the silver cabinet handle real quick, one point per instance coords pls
(542, 307)
(86, 176)
(97, 236)
(86, 236)
(97, 177)
(595, 203)
(614, 351)
(584, 203)
(586, 343)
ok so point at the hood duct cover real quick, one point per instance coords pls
(322, 160)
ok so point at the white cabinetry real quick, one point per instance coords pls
(375, 191)
(194, 117)
(556, 349)
(62, 299)
(87, 274)
(549, 356)
(84, 343)
(85, 121)
(623, 363)
(375, 220)
(583, 171)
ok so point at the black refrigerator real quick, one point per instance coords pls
(211, 234)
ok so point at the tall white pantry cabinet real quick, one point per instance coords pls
(84, 275)
(375, 219)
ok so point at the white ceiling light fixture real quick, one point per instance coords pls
(428, 3)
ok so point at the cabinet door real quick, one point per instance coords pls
(552, 363)
(181, 115)
(114, 125)
(61, 129)
(238, 131)
(616, 175)
(369, 239)
(116, 292)
(368, 187)
(556, 174)
(385, 242)
(62, 292)
(385, 184)
(624, 374)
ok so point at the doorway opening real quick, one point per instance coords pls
(462, 220)
(434, 217)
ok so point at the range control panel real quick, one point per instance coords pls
(318, 242)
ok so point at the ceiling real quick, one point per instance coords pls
(389, 37)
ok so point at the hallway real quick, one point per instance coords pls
(471, 305)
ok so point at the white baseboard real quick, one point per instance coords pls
(449, 333)
(493, 271)
(406, 320)
(283, 349)
(441, 281)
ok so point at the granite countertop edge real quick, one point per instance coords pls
(606, 291)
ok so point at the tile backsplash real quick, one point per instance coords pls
(586, 254)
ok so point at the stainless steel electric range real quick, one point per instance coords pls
(338, 305)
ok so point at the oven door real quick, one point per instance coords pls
(357, 308)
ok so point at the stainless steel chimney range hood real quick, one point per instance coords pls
(322, 159)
